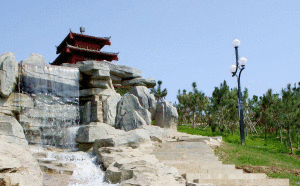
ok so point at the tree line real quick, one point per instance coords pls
(270, 113)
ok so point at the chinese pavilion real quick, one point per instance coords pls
(80, 47)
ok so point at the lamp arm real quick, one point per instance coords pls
(236, 59)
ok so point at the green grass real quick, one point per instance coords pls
(258, 155)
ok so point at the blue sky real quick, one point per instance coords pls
(176, 41)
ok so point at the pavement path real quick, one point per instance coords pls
(197, 163)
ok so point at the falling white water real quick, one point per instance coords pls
(86, 173)
(54, 119)
(89, 173)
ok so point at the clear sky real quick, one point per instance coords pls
(176, 41)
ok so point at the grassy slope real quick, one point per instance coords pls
(259, 155)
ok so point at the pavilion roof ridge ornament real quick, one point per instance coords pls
(82, 29)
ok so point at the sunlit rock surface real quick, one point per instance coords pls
(8, 73)
(130, 114)
(166, 115)
(18, 166)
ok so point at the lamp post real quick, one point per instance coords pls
(240, 65)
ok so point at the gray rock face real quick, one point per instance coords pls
(15, 103)
(129, 166)
(54, 91)
(130, 114)
(124, 71)
(20, 167)
(95, 69)
(116, 80)
(166, 115)
(101, 134)
(110, 108)
(149, 83)
(158, 134)
(145, 99)
(11, 131)
(34, 59)
(8, 73)
(95, 91)
(115, 69)
(93, 131)
(96, 83)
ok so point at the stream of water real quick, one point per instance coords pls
(54, 120)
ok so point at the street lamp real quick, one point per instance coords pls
(240, 65)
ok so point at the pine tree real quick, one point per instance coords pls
(158, 93)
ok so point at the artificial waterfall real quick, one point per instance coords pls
(54, 117)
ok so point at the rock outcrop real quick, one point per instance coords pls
(101, 133)
(18, 166)
(8, 73)
(149, 82)
(129, 166)
(130, 114)
(54, 93)
(166, 115)
(146, 99)
(110, 108)
(34, 59)
(11, 131)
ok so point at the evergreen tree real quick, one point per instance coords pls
(158, 92)
(290, 110)
(193, 103)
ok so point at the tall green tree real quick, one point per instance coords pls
(219, 105)
(290, 110)
(193, 103)
(158, 92)
(267, 108)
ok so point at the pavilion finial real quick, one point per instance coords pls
(82, 30)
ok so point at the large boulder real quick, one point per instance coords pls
(121, 71)
(93, 131)
(95, 75)
(158, 134)
(101, 134)
(34, 59)
(18, 166)
(149, 82)
(166, 115)
(8, 73)
(110, 103)
(96, 69)
(145, 99)
(130, 114)
(11, 131)
(129, 166)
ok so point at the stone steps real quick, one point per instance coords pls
(246, 182)
(191, 162)
(196, 162)
(195, 167)
(224, 175)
